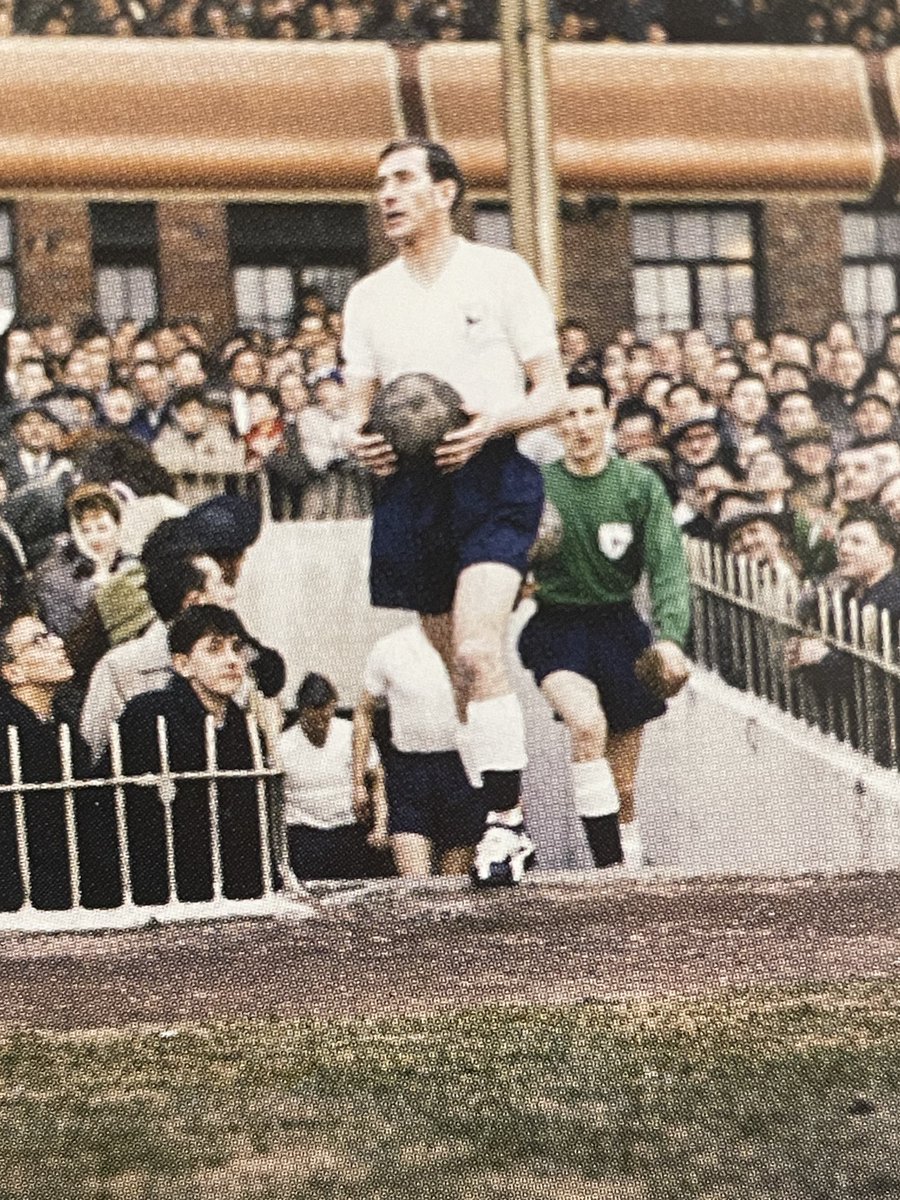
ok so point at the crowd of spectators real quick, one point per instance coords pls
(131, 484)
(867, 24)
(785, 451)
(255, 415)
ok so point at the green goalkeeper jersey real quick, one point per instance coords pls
(616, 525)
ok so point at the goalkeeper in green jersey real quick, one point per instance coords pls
(595, 660)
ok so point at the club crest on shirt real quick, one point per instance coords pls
(614, 538)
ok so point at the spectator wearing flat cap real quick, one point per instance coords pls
(809, 458)
(745, 526)
(198, 452)
(225, 527)
(748, 529)
(694, 512)
(697, 442)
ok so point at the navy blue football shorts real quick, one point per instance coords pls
(600, 643)
(427, 527)
(429, 794)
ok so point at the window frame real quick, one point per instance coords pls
(298, 254)
(10, 264)
(693, 265)
(868, 261)
(118, 255)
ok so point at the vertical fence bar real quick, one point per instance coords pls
(698, 598)
(890, 686)
(746, 622)
(261, 805)
(213, 793)
(734, 621)
(827, 716)
(65, 762)
(15, 773)
(874, 712)
(858, 727)
(840, 633)
(711, 563)
(165, 789)
(115, 756)
(786, 599)
(763, 608)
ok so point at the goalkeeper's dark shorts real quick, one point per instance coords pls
(601, 644)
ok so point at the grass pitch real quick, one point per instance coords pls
(789, 1093)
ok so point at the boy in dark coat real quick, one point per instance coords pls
(207, 644)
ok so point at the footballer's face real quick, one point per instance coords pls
(584, 428)
(412, 204)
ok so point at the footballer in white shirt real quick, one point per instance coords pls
(435, 816)
(451, 544)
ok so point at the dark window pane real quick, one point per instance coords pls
(124, 233)
(292, 234)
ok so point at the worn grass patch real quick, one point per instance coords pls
(788, 1093)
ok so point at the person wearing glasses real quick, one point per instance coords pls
(34, 668)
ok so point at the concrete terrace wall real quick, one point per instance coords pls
(730, 783)
(727, 783)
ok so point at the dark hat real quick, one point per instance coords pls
(782, 521)
(187, 395)
(817, 432)
(587, 371)
(708, 416)
(27, 407)
(224, 525)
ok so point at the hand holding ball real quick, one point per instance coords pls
(414, 412)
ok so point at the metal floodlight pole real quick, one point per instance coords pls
(545, 192)
(533, 193)
(516, 120)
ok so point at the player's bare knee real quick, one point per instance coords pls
(479, 663)
(587, 729)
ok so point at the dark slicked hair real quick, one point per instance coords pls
(870, 514)
(633, 407)
(199, 621)
(440, 162)
(315, 692)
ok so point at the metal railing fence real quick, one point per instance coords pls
(745, 612)
(38, 806)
